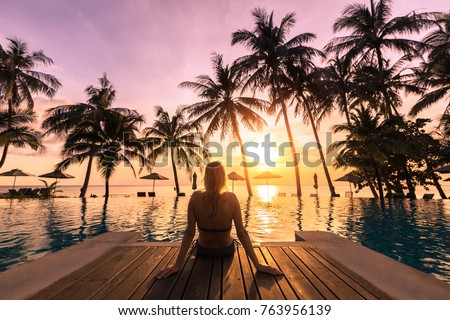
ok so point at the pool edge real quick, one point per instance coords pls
(397, 279)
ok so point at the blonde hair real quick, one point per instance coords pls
(215, 182)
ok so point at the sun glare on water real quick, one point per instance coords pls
(266, 193)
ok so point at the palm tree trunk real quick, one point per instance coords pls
(4, 153)
(107, 187)
(369, 182)
(347, 115)
(380, 182)
(86, 178)
(10, 111)
(412, 192)
(175, 175)
(291, 144)
(433, 176)
(319, 146)
(244, 161)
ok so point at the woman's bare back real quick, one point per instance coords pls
(214, 222)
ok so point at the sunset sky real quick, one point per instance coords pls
(147, 47)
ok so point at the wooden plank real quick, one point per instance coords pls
(148, 283)
(126, 283)
(286, 289)
(88, 285)
(233, 286)
(215, 288)
(267, 285)
(251, 290)
(312, 278)
(297, 280)
(198, 285)
(160, 290)
(334, 283)
(183, 277)
(75, 276)
(364, 287)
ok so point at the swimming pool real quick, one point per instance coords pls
(415, 232)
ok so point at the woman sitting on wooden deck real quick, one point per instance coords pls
(213, 210)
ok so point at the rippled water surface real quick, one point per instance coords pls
(414, 232)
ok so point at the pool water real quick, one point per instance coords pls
(415, 232)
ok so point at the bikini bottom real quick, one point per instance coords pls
(215, 252)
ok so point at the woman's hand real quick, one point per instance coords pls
(168, 271)
(268, 269)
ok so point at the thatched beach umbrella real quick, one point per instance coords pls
(154, 176)
(233, 176)
(16, 173)
(350, 178)
(57, 174)
(267, 175)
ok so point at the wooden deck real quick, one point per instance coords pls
(129, 272)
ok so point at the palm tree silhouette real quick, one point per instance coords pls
(66, 119)
(370, 142)
(111, 141)
(16, 130)
(177, 137)
(223, 109)
(374, 31)
(18, 82)
(272, 54)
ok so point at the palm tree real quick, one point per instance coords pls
(223, 109)
(435, 73)
(309, 94)
(369, 142)
(111, 141)
(65, 119)
(373, 31)
(272, 55)
(15, 130)
(19, 82)
(177, 137)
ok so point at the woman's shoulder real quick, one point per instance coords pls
(229, 195)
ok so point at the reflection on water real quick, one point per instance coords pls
(266, 193)
(414, 232)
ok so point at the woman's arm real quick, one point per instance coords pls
(185, 243)
(246, 243)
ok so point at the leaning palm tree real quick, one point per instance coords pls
(272, 54)
(309, 96)
(373, 32)
(16, 131)
(19, 81)
(223, 109)
(65, 119)
(175, 138)
(111, 142)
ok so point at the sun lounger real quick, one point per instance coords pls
(314, 195)
(428, 196)
(151, 194)
(141, 194)
(181, 194)
(282, 194)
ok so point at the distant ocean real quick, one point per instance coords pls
(240, 189)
